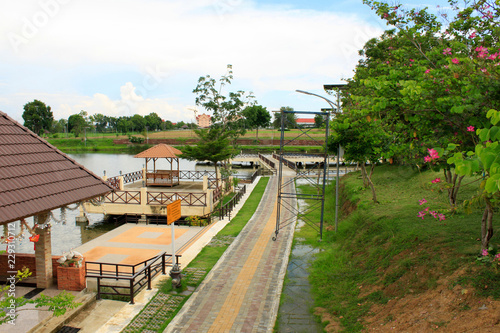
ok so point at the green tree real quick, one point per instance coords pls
(290, 118)
(213, 145)
(100, 122)
(58, 304)
(153, 121)
(257, 116)
(77, 123)
(226, 109)
(319, 121)
(37, 116)
(138, 123)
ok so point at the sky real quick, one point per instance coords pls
(126, 57)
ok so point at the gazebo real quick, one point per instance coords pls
(161, 177)
(35, 178)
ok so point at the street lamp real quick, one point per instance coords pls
(337, 108)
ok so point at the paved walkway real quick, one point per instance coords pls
(242, 291)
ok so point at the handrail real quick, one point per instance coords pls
(286, 162)
(127, 197)
(149, 271)
(267, 161)
(187, 199)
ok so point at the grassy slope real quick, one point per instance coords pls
(379, 248)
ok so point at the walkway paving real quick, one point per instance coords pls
(242, 291)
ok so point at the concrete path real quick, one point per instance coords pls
(242, 291)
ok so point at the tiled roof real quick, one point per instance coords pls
(36, 177)
(160, 151)
(305, 121)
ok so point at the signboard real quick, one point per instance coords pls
(173, 211)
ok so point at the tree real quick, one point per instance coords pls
(138, 122)
(290, 118)
(213, 145)
(77, 123)
(100, 122)
(432, 82)
(319, 120)
(37, 116)
(363, 141)
(153, 121)
(58, 304)
(257, 116)
(226, 110)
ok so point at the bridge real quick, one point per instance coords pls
(302, 163)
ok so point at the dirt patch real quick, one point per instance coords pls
(441, 309)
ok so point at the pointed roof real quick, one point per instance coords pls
(36, 177)
(160, 151)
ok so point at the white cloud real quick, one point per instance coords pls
(271, 48)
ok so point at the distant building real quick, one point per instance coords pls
(203, 120)
(305, 122)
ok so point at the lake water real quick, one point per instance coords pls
(66, 235)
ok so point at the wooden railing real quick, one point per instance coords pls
(286, 162)
(114, 182)
(217, 194)
(137, 275)
(192, 175)
(187, 199)
(124, 197)
(132, 177)
(249, 179)
(267, 161)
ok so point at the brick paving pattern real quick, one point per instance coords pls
(242, 292)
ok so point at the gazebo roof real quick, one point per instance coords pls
(36, 177)
(160, 151)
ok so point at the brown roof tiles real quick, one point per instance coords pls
(160, 151)
(36, 177)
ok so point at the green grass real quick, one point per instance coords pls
(379, 247)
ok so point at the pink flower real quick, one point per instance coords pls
(470, 129)
(484, 70)
(422, 201)
(447, 51)
(421, 214)
(473, 35)
(497, 256)
(435, 181)
(483, 51)
(455, 61)
(442, 217)
(434, 214)
(493, 56)
(484, 252)
(433, 153)
(411, 60)
(427, 71)
(427, 159)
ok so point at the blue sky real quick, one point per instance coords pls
(122, 57)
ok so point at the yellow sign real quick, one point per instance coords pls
(173, 211)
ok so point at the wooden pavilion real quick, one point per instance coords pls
(161, 177)
(35, 178)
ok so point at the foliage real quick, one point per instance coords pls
(213, 145)
(257, 116)
(10, 305)
(226, 110)
(135, 139)
(290, 118)
(78, 122)
(37, 116)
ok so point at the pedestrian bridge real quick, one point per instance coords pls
(291, 162)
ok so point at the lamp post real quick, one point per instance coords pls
(332, 105)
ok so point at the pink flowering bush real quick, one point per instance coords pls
(433, 213)
(490, 256)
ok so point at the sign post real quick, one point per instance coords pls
(173, 214)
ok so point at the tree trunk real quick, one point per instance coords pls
(453, 190)
(257, 133)
(372, 186)
(487, 225)
(363, 173)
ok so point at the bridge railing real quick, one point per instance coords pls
(286, 162)
(267, 161)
